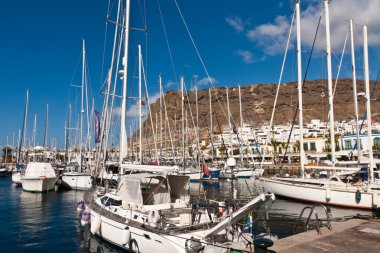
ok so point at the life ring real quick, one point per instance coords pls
(133, 246)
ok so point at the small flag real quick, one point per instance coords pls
(97, 127)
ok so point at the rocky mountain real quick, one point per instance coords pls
(257, 103)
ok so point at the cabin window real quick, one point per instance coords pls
(113, 202)
(104, 200)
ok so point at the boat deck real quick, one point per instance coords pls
(350, 236)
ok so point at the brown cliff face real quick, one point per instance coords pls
(257, 104)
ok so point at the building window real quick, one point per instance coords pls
(305, 146)
(376, 143)
(347, 144)
(312, 146)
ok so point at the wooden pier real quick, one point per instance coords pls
(354, 235)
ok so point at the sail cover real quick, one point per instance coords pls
(97, 127)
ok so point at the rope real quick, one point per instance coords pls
(282, 70)
(192, 40)
(167, 44)
(340, 63)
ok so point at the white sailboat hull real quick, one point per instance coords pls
(237, 173)
(345, 196)
(112, 232)
(38, 184)
(77, 181)
(16, 178)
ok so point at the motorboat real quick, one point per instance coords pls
(39, 174)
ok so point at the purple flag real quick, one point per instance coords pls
(97, 127)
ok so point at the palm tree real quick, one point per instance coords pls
(274, 144)
(283, 146)
(222, 149)
(297, 144)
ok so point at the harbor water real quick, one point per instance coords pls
(49, 222)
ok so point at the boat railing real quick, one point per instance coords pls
(318, 222)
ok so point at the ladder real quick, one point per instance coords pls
(318, 222)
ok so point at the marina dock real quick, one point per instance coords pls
(354, 235)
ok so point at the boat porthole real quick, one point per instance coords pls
(133, 246)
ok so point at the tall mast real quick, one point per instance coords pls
(241, 125)
(123, 133)
(46, 126)
(6, 152)
(160, 83)
(158, 160)
(68, 134)
(329, 83)
(212, 148)
(26, 116)
(228, 110)
(196, 105)
(354, 90)
(34, 130)
(368, 102)
(140, 106)
(229, 118)
(82, 106)
(13, 145)
(19, 140)
(300, 113)
(106, 117)
(183, 124)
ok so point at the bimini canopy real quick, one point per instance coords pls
(136, 190)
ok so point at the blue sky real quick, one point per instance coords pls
(241, 42)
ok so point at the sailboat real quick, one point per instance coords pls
(331, 191)
(20, 165)
(73, 177)
(150, 209)
(152, 212)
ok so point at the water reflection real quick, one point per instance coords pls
(35, 222)
(280, 217)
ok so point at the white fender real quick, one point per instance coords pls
(328, 194)
(95, 226)
(126, 236)
(374, 199)
(84, 223)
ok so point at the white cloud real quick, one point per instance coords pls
(153, 98)
(271, 37)
(170, 84)
(204, 81)
(133, 110)
(246, 56)
(236, 23)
